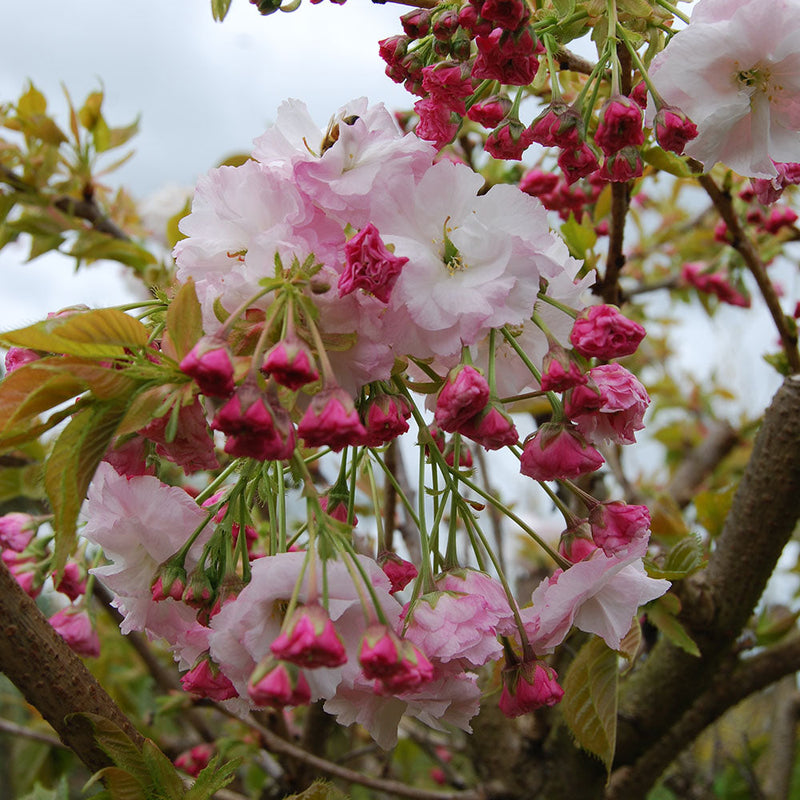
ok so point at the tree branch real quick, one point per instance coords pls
(731, 686)
(718, 602)
(51, 677)
(744, 246)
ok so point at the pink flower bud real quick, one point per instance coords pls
(559, 371)
(416, 23)
(393, 49)
(559, 125)
(209, 363)
(507, 57)
(23, 568)
(616, 525)
(603, 332)
(619, 125)
(71, 582)
(491, 428)
(206, 680)
(537, 183)
(509, 140)
(76, 629)
(445, 24)
(399, 572)
(465, 460)
(639, 94)
(527, 687)
(331, 419)
(16, 531)
(449, 84)
(336, 507)
(464, 394)
(309, 639)
(281, 685)
(576, 542)
(437, 123)
(623, 165)
(491, 111)
(578, 162)
(385, 419)
(291, 363)
(557, 452)
(673, 129)
(17, 357)
(779, 218)
(194, 761)
(170, 581)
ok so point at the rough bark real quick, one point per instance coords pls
(719, 601)
(51, 677)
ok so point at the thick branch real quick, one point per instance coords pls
(718, 602)
(742, 244)
(730, 687)
(51, 677)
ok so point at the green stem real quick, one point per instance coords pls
(674, 10)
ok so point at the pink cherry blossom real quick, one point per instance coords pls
(464, 394)
(616, 526)
(491, 428)
(140, 522)
(735, 71)
(603, 332)
(399, 571)
(612, 412)
(599, 595)
(370, 266)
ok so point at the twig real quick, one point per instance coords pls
(390, 496)
(745, 247)
(609, 287)
(573, 62)
(85, 209)
(27, 733)
(278, 745)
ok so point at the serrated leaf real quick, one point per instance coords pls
(564, 7)
(146, 406)
(590, 700)
(184, 319)
(662, 613)
(69, 470)
(117, 745)
(106, 383)
(712, 509)
(44, 244)
(101, 333)
(164, 778)
(631, 642)
(212, 778)
(44, 128)
(667, 162)
(101, 135)
(219, 9)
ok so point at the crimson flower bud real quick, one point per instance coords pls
(206, 680)
(527, 687)
(603, 332)
(556, 452)
(209, 364)
(464, 394)
(309, 639)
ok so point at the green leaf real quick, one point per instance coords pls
(184, 319)
(102, 333)
(121, 785)
(69, 470)
(60, 792)
(667, 162)
(663, 614)
(32, 102)
(219, 9)
(712, 509)
(564, 7)
(590, 699)
(213, 778)
(93, 246)
(579, 238)
(117, 745)
(119, 136)
(686, 557)
(163, 775)
(89, 113)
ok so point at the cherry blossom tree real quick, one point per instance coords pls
(282, 474)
